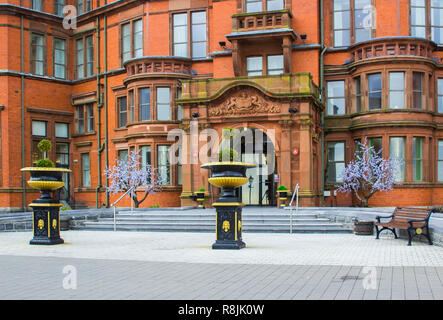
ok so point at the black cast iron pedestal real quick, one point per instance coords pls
(228, 221)
(46, 220)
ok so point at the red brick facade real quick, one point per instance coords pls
(30, 90)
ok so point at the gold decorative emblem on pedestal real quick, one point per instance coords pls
(54, 223)
(239, 225)
(226, 226)
(41, 223)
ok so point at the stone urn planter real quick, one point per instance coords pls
(228, 176)
(46, 210)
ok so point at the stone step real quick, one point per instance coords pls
(212, 219)
(210, 225)
(212, 214)
(189, 228)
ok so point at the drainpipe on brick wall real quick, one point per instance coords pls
(22, 106)
(106, 104)
(99, 106)
(322, 89)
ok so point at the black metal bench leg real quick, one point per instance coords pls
(378, 232)
(395, 233)
(428, 236)
(410, 237)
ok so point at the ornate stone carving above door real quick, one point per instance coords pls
(244, 102)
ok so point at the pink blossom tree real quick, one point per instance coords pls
(127, 174)
(369, 173)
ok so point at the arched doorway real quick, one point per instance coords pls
(256, 147)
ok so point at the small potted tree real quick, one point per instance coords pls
(46, 178)
(283, 195)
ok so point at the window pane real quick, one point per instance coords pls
(90, 115)
(39, 128)
(37, 5)
(90, 55)
(396, 90)
(181, 50)
(374, 81)
(342, 20)
(199, 49)
(126, 41)
(275, 64)
(163, 104)
(253, 5)
(417, 153)
(417, 89)
(377, 143)
(145, 104)
(199, 32)
(138, 38)
(358, 94)
(123, 155)
(61, 130)
(275, 5)
(397, 151)
(362, 35)
(440, 162)
(341, 5)
(254, 66)
(336, 97)
(86, 178)
(336, 161)
(163, 165)
(122, 110)
(418, 16)
(342, 38)
(146, 156)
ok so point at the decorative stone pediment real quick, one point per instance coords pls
(244, 102)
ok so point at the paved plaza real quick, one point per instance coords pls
(157, 265)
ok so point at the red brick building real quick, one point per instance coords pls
(128, 72)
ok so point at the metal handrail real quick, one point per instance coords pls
(297, 187)
(118, 200)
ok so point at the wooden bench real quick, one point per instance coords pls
(414, 220)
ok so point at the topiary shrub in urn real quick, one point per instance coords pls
(283, 195)
(228, 174)
(46, 210)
